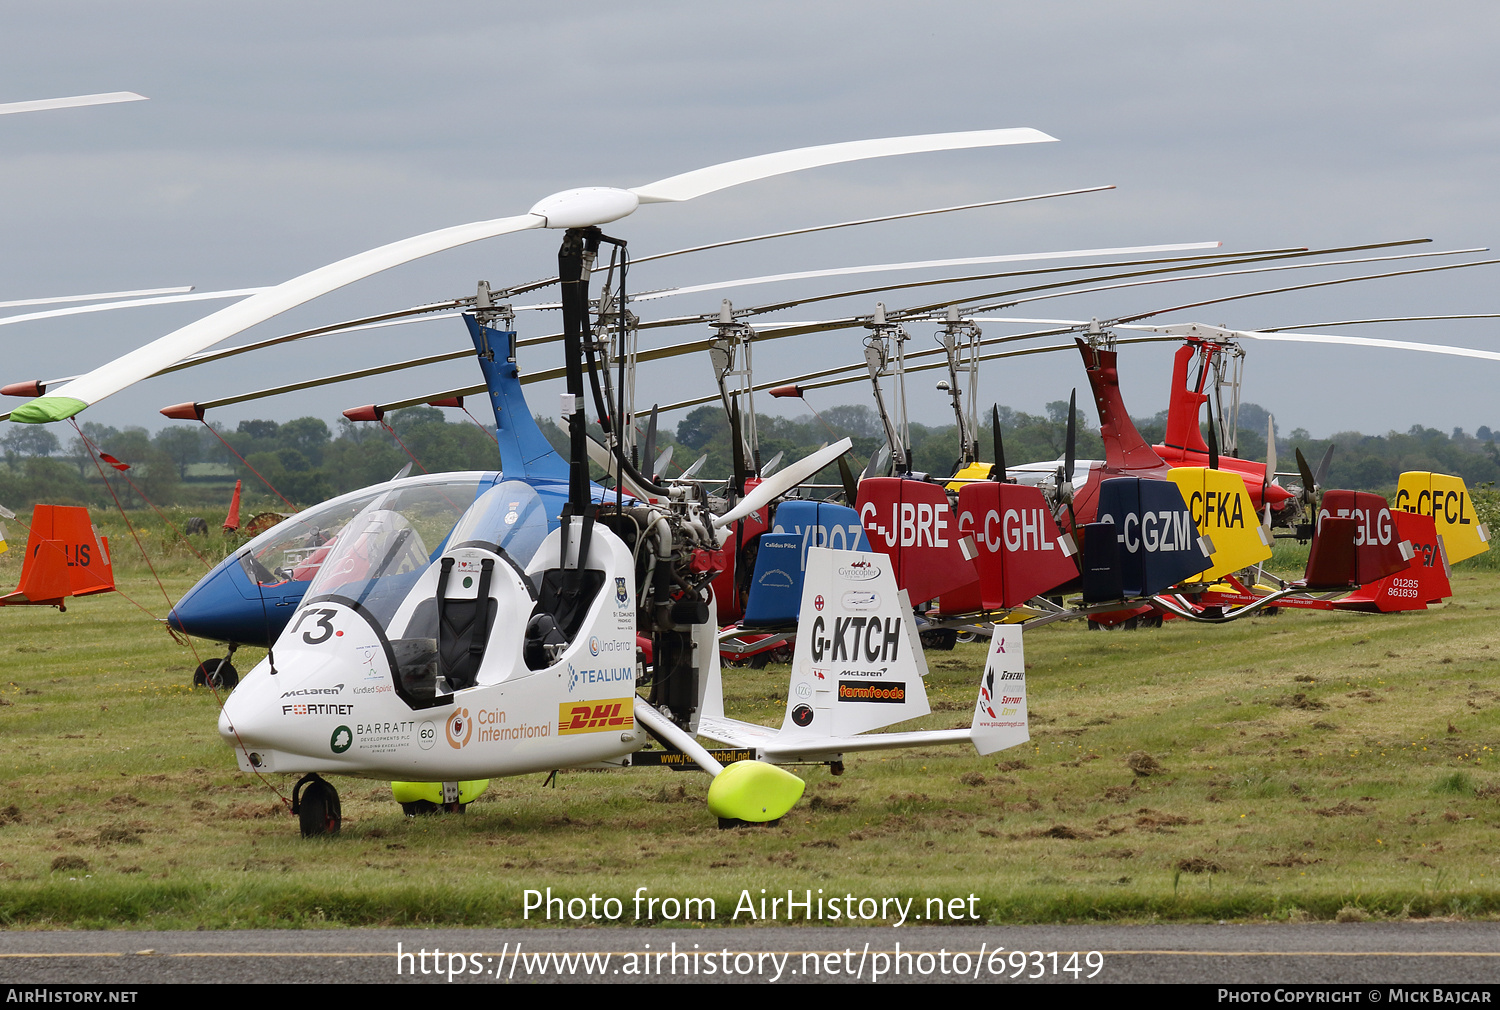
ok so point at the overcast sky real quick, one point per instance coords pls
(282, 136)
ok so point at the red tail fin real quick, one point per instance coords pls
(1124, 448)
(1423, 582)
(64, 557)
(912, 522)
(1356, 543)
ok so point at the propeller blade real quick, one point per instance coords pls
(1320, 475)
(404, 471)
(880, 459)
(601, 457)
(693, 470)
(1309, 482)
(660, 466)
(1213, 443)
(774, 487)
(997, 472)
(1071, 455)
(851, 486)
(770, 467)
(573, 208)
(1265, 485)
(650, 449)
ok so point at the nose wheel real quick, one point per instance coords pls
(316, 804)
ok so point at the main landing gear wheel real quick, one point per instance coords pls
(427, 808)
(1150, 620)
(219, 674)
(317, 806)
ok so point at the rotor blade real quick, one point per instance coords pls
(194, 410)
(573, 208)
(1330, 338)
(774, 487)
(77, 101)
(638, 260)
(690, 185)
(851, 486)
(78, 310)
(1314, 284)
(922, 265)
(1382, 319)
(59, 299)
(770, 467)
(1230, 260)
(143, 361)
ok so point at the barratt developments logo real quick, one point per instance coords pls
(595, 716)
(341, 740)
(459, 728)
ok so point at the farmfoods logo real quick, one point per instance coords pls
(869, 690)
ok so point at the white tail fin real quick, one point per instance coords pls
(858, 663)
(1000, 719)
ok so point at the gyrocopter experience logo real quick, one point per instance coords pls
(459, 728)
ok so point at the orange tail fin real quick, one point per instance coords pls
(64, 557)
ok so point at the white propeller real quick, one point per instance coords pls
(570, 209)
(774, 487)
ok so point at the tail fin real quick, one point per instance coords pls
(1124, 448)
(65, 557)
(1356, 542)
(1424, 581)
(1447, 501)
(858, 663)
(912, 523)
(1021, 551)
(1000, 718)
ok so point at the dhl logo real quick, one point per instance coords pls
(595, 716)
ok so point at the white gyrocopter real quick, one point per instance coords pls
(496, 647)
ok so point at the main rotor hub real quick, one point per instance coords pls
(585, 208)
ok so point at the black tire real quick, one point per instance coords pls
(1131, 623)
(319, 811)
(220, 673)
(966, 637)
(1095, 625)
(419, 808)
(1150, 621)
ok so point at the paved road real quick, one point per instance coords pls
(1364, 954)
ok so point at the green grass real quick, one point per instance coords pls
(1311, 766)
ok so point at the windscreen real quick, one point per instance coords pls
(511, 516)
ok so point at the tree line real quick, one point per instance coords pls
(307, 462)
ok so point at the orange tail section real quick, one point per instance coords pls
(64, 557)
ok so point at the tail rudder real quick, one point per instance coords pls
(912, 523)
(64, 557)
(1356, 542)
(1448, 502)
(1425, 580)
(858, 663)
(1000, 716)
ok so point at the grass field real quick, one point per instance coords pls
(1300, 766)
